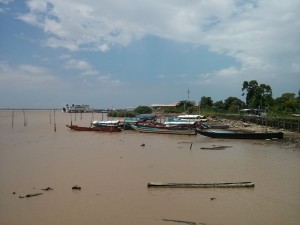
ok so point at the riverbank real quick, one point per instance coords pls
(290, 140)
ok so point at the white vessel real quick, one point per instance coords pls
(77, 108)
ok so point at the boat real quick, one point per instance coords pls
(239, 134)
(202, 185)
(214, 126)
(105, 123)
(103, 128)
(126, 123)
(160, 129)
(146, 117)
(192, 118)
(77, 108)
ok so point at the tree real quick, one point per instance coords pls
(184, 105)
(219, 106)
(143, 110)
(257, 95)
(233, 104)
(287, 103)
(206, 102)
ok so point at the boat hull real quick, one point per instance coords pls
(240, 135)
(201, 185)
(166, 130)
(99, 129)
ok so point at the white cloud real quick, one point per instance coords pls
(251, 31)
(25, 75)
(262, 35)
(85, 67)
(32, 69)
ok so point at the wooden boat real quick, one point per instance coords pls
(160, 129)
(106, 123)
(103, 128)
(202, 185)
(239, 134)
(213, 126)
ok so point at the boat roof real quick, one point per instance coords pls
(191, 116)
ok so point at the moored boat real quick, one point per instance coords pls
(105, 123)
(77, 108)
(239, 134)
(192, 118)
(164, 129)
(103, 128)
(202, 185)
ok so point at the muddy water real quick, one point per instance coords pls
(113, 170)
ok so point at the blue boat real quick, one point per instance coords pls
(231, 134)
(164, 129)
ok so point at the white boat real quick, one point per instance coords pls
(77, 108)
(192, 118)
(180, 122)
(102, 123)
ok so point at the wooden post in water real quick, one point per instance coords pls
(71, 117)
(25, 119)
(12, 118)
(54, 121)
(92, 118)
(50, 119)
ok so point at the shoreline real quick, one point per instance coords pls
(290, 139)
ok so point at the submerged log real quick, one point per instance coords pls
(181, 221)
(47, 189)
(30, 195)
(201, 185)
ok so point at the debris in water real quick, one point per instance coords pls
(216, 147)
(76, 187)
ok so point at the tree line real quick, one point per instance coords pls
(258, 96)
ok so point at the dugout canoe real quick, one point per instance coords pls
(202, 185)
(230, 134)
(99, 129)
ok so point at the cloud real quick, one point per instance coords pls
(254, 32)
(24, 75)
(81, 65)
(261, 35)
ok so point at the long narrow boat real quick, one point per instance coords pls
(103, 129)
(201, 185)
(164, 130)
(239, 134)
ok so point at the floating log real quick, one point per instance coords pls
(47, 189)
(201, 185)
(181, 221)
(30, 195)
(76, 187)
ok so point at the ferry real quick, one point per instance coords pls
(77, 108)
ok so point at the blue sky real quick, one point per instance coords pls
(110, 53)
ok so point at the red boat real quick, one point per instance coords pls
(102, 129)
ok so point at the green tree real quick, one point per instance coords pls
(219, 106)
(233, 104)
(288, 102)
(257, 95)
(143, 110)
(184, 105)
(206, 103)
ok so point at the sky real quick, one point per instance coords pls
(118, 54)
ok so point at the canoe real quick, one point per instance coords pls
(164, 130)
(103, 129)
(201, 185)
(239, 134)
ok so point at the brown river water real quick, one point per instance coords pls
(113, 170)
